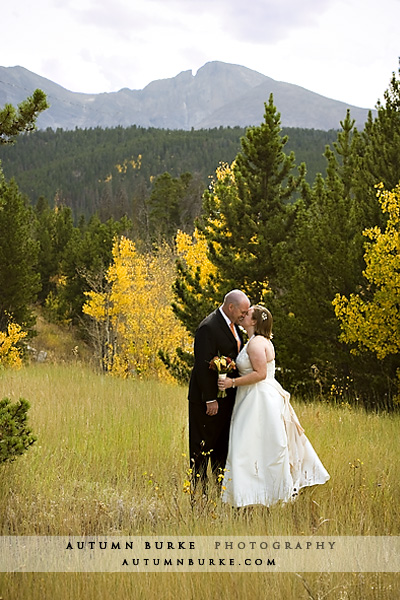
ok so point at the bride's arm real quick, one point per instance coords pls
(257, 351)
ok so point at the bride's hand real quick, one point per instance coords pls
(224, 384)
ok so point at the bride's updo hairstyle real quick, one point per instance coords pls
(263, 321)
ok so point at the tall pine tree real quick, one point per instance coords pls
(19, 282)
(249, 208)
(247, 211)
(379, 153)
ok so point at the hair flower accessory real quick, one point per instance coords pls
(264, 316)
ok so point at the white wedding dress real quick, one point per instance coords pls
(269, 458)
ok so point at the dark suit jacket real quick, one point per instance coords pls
(213, 338)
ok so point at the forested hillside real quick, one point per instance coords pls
(111, 171)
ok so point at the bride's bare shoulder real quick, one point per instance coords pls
(258, 342)
(261, 345)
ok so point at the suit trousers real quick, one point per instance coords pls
(209, 438)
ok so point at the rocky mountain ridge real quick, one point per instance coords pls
(219, 94)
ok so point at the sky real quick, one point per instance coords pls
(343, 49)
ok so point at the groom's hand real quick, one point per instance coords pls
(212, 408)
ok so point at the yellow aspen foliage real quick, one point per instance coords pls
(193, 250)
(136, 311)
(129, 162)
(224, 177)
(10, 354)
(374, 323)
(224, 170)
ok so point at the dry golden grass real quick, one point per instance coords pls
(59, 342)
(110, 459)
(197, 586)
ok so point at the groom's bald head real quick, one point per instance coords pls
(235, 297)
(235, 306)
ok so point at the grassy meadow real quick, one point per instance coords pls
(111, 459)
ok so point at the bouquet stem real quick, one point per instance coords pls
(221, 393)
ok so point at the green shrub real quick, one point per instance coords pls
(15, 436)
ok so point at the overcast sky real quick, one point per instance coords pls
(342, 49)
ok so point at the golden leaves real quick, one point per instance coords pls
(375, 324)
(129, 162)
(10, 354)
(193, 249)
(137, 310)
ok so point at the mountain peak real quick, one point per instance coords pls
(219, 94)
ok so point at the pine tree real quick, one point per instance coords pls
(86, 258)
(54, 231)
(194, 287)
(19, 282)
(14, 121)
(370, 318)
(379, 152)
(16, 437)
(164, 204)
(326, 259)
(248, 209)
(321, 257)
(172, 204)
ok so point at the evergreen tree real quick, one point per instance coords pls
(14, 121)
(320, 258)
(164, 205)
(54, 230)
(87, 256)
(327, 254)
(16, 437)
(325, 259)
(19, 282)
(172, 204)
(379, 152)
(248, 210)
(195, 296)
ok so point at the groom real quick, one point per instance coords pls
(209, 418)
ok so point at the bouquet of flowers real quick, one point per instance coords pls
(223, 365)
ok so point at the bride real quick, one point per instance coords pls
(269, 457)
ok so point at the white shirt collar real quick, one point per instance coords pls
(227, 319)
